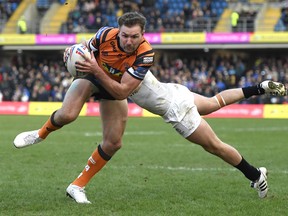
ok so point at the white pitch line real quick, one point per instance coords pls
(143, 133)
(149, 133)
(189, 169)
(253, 129)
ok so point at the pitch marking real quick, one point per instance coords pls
(143, 133)
(189, 169)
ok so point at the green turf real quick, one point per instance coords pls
(155, 173)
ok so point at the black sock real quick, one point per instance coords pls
(249, 171)
(53, 121)
(103, 154)
(253, 90)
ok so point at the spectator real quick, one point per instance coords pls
(234, 20)
(22, 25)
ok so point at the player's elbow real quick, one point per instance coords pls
(121, 93)
(121, 96)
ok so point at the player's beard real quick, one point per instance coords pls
(129, 48)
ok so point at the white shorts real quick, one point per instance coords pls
(189, 123)
(183, 114)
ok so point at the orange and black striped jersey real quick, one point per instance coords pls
(114, 61)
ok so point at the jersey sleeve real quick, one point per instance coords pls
(143, 62)
(98, 38)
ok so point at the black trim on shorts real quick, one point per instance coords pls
(103, 93)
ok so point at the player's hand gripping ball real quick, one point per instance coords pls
(74, 54)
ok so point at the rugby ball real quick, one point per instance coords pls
(74, 54)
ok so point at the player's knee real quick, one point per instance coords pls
(214, 148)
(111, 147)
(67, 117)
(116, 145)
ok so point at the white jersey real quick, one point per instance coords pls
(171, 101)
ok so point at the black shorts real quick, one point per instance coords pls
(102, 94)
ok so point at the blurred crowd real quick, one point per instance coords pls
(282, 24)
(34, 79)
(162, 15)
(46, 79)
(7, 8)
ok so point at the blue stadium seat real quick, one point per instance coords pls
(43, 4)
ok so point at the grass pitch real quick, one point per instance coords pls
(156, 172)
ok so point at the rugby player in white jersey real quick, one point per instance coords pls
(183, 109)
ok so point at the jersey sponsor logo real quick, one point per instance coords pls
(147, 60)
(112, 70)
(112, 43)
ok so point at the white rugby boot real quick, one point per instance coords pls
(77, 193)
(261, 184)
(273, 88)
(27, 138)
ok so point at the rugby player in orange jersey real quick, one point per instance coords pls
(122, 52)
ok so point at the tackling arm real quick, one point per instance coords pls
(118, 90)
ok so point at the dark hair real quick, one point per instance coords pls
(131, 19)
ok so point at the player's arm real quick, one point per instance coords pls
(118, 90)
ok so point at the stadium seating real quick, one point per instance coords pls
(195, 14)
(162, 15)
(43, 4)
(18, 11)
(269, 20)
(282, 24)
(55, 16)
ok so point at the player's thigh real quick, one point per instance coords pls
(204, 135)
(114, 116)
(77, 94)
(205, 105)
